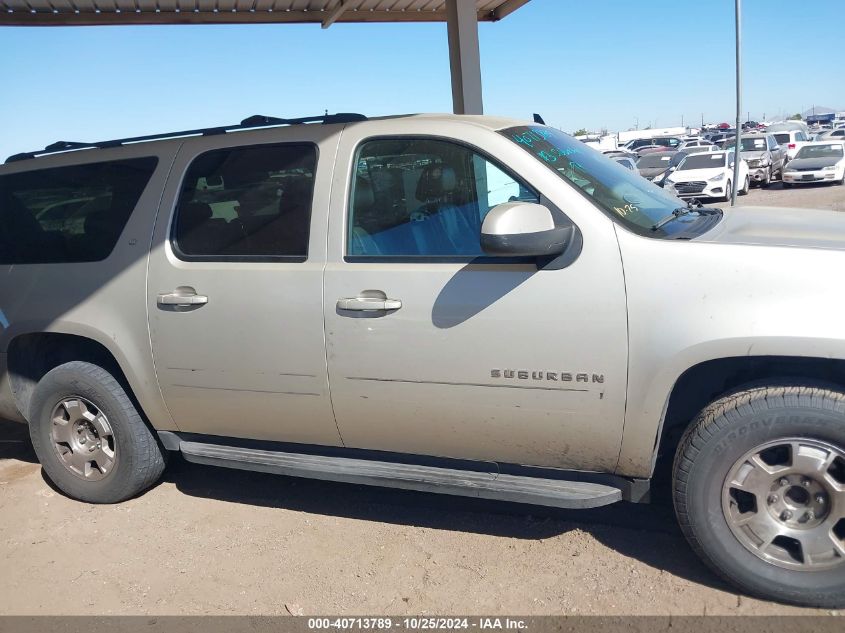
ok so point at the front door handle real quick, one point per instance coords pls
(184, 299)
(368, 304)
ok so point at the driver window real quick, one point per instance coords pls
(415, 197)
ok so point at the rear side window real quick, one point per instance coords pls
(247, 203)
(782, 139)
(69, 214)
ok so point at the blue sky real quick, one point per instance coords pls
(580, 64)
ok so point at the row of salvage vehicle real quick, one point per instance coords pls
(700, 169)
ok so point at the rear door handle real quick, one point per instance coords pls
(180, 299)
(368, 304)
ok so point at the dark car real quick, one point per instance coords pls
(670, 142)
(677, 157)
(654, 164)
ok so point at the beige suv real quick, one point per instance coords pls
(467, 305)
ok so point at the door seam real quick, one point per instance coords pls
(323, 285)
(147, 283)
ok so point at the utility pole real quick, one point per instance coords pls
(738, 11)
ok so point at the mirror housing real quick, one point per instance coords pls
(524, 229)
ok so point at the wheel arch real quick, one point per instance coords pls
(30, 355)
(706, 381)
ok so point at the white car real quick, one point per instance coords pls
(817, 162)
(707, 175)
(695, 143)
(793, 140)
(831, 135)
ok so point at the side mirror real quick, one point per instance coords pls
(523, 229)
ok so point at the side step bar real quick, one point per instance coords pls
(467, 483)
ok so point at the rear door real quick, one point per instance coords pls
(468, 357)
(235, 286)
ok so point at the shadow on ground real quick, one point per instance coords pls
(14, 442)
(645, 532)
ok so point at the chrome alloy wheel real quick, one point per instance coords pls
(785, 502)
(83, 438)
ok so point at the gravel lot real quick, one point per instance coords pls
(802, 196)
(214, 541)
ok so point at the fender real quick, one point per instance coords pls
(135, 361)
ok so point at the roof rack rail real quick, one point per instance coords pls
(254, 121)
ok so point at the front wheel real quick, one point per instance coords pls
(759, 491)
(745, 188)
(89, 437)
(728, 191)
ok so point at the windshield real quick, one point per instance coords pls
(622, 194)
(754, 144)
(703, 161)
(650, 161)
(820, 151)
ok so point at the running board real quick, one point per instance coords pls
(466, 483)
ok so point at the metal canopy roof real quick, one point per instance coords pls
(325, 12)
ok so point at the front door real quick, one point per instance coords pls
(235, 288)
(436, 350)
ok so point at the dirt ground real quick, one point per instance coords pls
(218, 541)
(215, 541)
(821, 196)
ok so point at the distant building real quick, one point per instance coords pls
(819, 114)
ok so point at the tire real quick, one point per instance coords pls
(746, 187)
(712, 467)
(728, 192)
(787, 185)
(79, 412)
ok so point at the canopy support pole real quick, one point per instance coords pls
(464, 56)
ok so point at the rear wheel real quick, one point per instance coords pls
(759, 491)
(89, 437)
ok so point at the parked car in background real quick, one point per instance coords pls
(694, 143)
(652, 149)
(676, 159)
(625, 161)
(722, 136)
(654, 164)
(817, 162)
(671, 142)
(831, 135)
(707, 175)
(765, 157)
(793, 140)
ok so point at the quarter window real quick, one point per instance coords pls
(69, 214)
(247, 203)
(417, 197)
